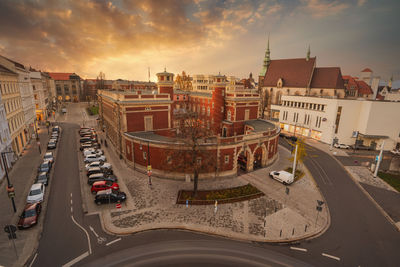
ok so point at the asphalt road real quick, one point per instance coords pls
(359, 234)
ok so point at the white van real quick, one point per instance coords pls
(282, 176)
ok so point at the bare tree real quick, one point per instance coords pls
(264, 101)
(192, 153)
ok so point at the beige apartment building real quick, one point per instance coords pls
(11, 99)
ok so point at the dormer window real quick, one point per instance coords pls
(280, 83)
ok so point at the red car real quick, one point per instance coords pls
(103, 185)
(30, 215)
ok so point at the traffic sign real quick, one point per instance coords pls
(377, 158)
(149, 167)
(118, 206)
(10, 228)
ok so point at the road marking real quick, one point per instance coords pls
(112, 242)
(91, 229)
(77, 259)
(300, 249)
(34, 258)
(330, 256)
(72, 210)
(71, 195)
(87, 234)
(71, 201)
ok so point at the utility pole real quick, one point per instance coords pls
(294, 161)
(10, 187)
(379, 159)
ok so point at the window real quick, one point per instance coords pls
(338, 114)
(222, 109)
(66, 89)
(212, 105)
(148, 123)
(322, 107)
(177, 97)
(144, 155)
(198, 161)
(34, 88)
(208, 111)
(226, 159)
(229, 115)
(203, 110)
(169, 159)
(35, 96)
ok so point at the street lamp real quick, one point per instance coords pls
(10, 188)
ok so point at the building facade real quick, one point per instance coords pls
(13, 111)
(68, 86)
(40, 95)
(338, 120)
(143, 125)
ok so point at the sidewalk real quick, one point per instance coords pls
(22, 176)
(155, 207)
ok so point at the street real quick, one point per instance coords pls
(359, 235)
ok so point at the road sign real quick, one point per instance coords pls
(149, 167)
(376, 157)
(10, 228)
(118, 206)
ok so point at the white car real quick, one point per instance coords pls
(49, 157)
(92, 158)
(36, 194)
(282, 176)
(92, 152)
(341, 146)
(101, 165)
(395, 152)
(96, 150)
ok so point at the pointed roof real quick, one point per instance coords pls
(330, 77)
(296, 72)
(364, 88)
(366, 70)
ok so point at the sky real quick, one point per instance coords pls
(125, 38)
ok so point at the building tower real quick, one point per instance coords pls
(218, 97)
(267, 61)
(166, 83)
(390, 83)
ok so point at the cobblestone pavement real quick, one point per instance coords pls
(261, 219)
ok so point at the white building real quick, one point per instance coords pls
(326, 119)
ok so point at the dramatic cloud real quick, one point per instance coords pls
(123, 38)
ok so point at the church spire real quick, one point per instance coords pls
(308, 53)
(267, 60)
(390, 81)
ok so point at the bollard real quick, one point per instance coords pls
(293, 232)
(305, 228)
(280, 234)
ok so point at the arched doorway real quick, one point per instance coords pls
(244, 161)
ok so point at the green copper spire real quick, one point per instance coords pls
(390, 81)
(308, 53)
(267, 60)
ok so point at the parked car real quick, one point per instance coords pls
(51, 145)
(53, 140)
(395, 152)
(54, 135)
(56, 129)
(86, 145)
(91, 158)
(85, 139)
(283, 135)
(282, 176)
(49, 157)
(43, 177)
(103, 185)
(45, 166)
(341, 146)
(94, 170)
(29, 216)
(361, 147)
(109, 196)
(36, 194)
(292, 138)
(101, 177)
(94, 150)
(102, 165)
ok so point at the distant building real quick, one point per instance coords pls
(143, 125)
(327, 120)
(68, 86)
(40, 94)
(367, 76)
(356, 88)
(298, 76)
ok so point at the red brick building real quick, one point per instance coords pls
(142, 126)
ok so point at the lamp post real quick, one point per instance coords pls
(10, 187)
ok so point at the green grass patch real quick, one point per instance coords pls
(227, 195)
(392, 179)
(93, 110)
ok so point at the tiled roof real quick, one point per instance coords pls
(366, 70)
(364, 88)
(6, 70)
(59, 76)
(294, 72)
(327, 78)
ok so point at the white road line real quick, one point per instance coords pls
(71, 201)
(87, 234)
(112, 242)
(34, 258)
(72, 210)
(300, 249)
(71, 195)
(77, 259)
(330, 256)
